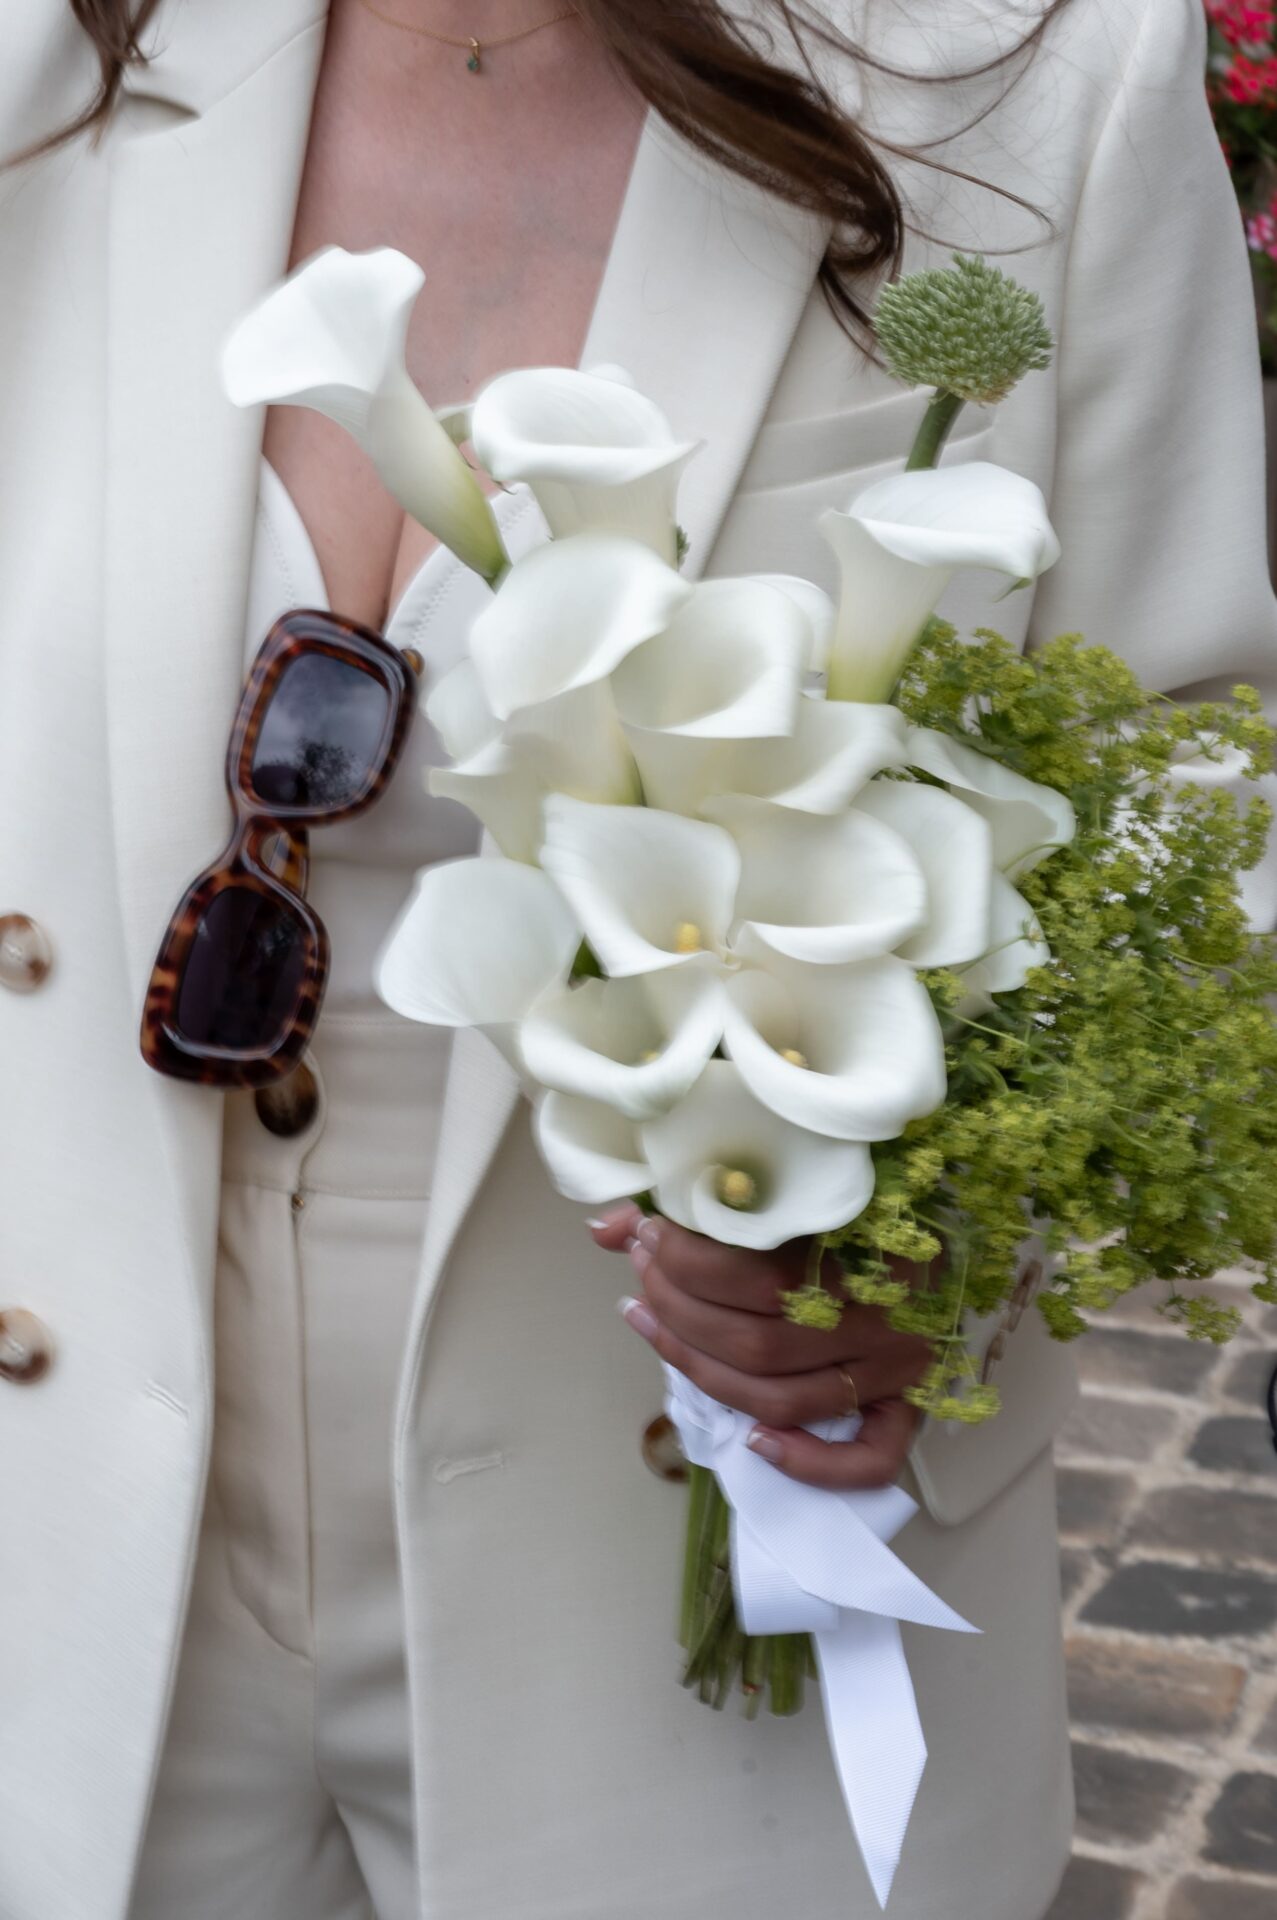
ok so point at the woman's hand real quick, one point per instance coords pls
(715, 1313)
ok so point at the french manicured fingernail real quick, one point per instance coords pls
(639, 1316)
(649, 1233)
(598, 1222)
(766, 1445)
(640, 1258)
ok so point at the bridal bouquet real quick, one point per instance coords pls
(804, 919)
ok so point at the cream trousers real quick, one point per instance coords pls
(285, 1789)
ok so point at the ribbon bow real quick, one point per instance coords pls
(806, 1560)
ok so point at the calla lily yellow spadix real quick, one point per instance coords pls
(333, 337)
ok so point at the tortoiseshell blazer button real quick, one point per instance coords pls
(288, 1106)
(26, 1347)
(26, 958)
(663, 1451)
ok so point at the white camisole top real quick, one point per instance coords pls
(361, 871)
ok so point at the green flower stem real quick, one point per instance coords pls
(937, 423)
(700, 1485)
(719, 1654)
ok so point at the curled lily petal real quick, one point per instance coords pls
(571, 745)
(637, 1044)
(727, 1166)
(332, 337)
(460, 715)
(651, 890)
(883, 606)
(592, 1151)
(729, 665)
(834, 749)
(854, 1052)
(1016, 944)
(567, 614)
(954, 848)
(973, 514)
(597, 454)
(1028, 820)
(503, 792)
(817, 608)
(899, 543)
(823, 888)
(478, 942)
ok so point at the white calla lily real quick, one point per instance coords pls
(650, 889)
(823, 888)
(1028, 820)
(834, 749)
(592, 1151)
(817, 608)
(637, 1044)
(954, 848)
(725, 1165)
(1016, 943)
(729, 665)
(332, 337)
(571, 745)
(459, 713)
(854, 1052)
(897, 547)
(597, 454)
(567, 614)
(476, 945)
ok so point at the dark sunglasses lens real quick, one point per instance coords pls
(244, 976)
(321, 734)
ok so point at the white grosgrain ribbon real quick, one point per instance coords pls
(807, 1560)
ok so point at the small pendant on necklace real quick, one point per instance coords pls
(475, 62)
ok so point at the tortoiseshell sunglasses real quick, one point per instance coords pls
(239, 980)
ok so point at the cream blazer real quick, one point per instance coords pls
(561, 1772)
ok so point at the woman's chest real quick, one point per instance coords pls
(508, 196)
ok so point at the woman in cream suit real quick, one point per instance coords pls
(408, 1647)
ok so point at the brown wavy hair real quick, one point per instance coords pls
(755, 105)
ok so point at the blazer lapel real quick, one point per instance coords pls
(201, 214)
(703, 291)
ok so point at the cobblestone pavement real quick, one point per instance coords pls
(1168, 1525)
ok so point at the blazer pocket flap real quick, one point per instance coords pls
(851, 440)
(958, 1469)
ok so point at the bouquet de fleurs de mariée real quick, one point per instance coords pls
(803, 919)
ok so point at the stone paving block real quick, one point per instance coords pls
(1149, 1596)
(1108, 1429)
(1266, 1738)
(1151, 1689)
(1209, 1523)
(1094, 1890)
(1242, 1826)
(1075, 1564)
(1236, 1443)
(1122, 1797)
(1090, 1504)
(1248, 1376)
(1221, 1900)
(1164, 1362)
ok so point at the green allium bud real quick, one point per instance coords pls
(966, 330)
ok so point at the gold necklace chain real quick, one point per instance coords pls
(475, 48)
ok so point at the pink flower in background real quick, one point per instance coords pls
(1261, 233)
(1243, 23)
(1251, 83)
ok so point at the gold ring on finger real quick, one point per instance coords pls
(845, 1375)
